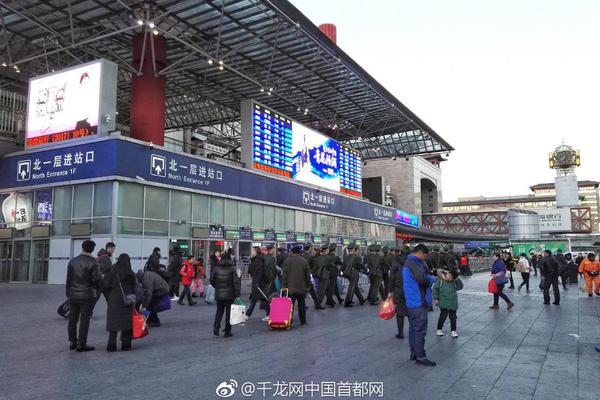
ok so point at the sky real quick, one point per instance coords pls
(504, 82)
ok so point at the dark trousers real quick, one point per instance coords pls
(333, 290)
(174, 288)
(125, 339)
(500, 293)
(564, 277)
(535, 269)
(510, 279)
(153, 317)
(400, 324)
(525, 276)
(374, 289)
(383, 288)
(81, 312)
(551, 281)
(323, 285)
(444, 313)
(313, 293)
(417, 329)
(301, 299)
(253, 302)
(186, 292)
(353, 289)
(223, 307)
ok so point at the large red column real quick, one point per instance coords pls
(330, 30)
(148, 102)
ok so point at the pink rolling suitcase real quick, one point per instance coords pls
(280, 316)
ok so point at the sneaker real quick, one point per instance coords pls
(439, 333)
(454, 334)
(175, 298)
(425, 362)
(265, 319)
(84, 348)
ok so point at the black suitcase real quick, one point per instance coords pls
(64, 310)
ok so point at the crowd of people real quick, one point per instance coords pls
(415, 279)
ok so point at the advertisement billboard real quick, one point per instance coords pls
(405, 218)
(276, 144)
(74, 103)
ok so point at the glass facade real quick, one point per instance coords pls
(143, 211)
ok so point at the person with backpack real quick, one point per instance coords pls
(105, 265)
(561, 264)
(352, 268)
(524, 268)
(465, 268)
(187, 276)
(499, 275)
(510, 267)
(444, 296)
(549, 272)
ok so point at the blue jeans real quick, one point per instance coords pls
(417, 329)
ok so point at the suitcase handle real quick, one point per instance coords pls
(287, 292)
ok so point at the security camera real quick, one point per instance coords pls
(107, 118)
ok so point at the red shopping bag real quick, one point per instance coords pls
(140, 329)
(492, 288)
(387, 309)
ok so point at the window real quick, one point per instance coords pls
(82, 201)
(181, 206)
(129, 226)
(289, 220)
(231, 212)
(245, 214)
(157, 203)
(156, 228)
(62, 202)
(103, 199)
(258, 216)
(131, 198)
(269, 217)
(217, 206)
(279, 219)
(200, 208)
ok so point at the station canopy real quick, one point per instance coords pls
(269, 52)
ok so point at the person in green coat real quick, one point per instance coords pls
(444, 296)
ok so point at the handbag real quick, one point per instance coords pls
(129, 300)
(492, 286)
(209, 297)
(140, 329)
(387, 309)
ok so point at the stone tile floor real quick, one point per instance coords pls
(532, 352)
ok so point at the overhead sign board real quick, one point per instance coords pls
(554, 219)
(274, 143)
(405, 218)
(74, 103)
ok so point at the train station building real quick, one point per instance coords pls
(201, 127)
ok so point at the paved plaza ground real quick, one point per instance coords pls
(533, 352)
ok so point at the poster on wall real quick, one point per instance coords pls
(276, 144)
(17, 211)
(43, 207)
(71, 104)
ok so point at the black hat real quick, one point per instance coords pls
(307, 246)
(351, 247)
(421, 247)
(296, 249)
(332, 246)
(270, 246)
(385, 249)
(377, 248)
(324, 247)
(156, 249)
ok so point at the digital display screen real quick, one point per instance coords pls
(287, 148)
(405, 218)
(64, 105)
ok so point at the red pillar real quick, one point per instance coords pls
(330, 30)
(148, 102)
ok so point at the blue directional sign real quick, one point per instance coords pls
(126, 158)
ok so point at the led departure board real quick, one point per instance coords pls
(284, 147)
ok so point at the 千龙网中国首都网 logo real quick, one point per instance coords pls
(226, 389)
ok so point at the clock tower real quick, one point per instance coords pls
(564, 159)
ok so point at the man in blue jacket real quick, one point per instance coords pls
(417, 291)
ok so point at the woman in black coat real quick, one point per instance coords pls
(397, 290)
(118, 316)
(225, 280)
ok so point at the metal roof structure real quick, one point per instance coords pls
(218, 53)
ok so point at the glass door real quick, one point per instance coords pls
(5, 260)
(40, 261)
(21, 261)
